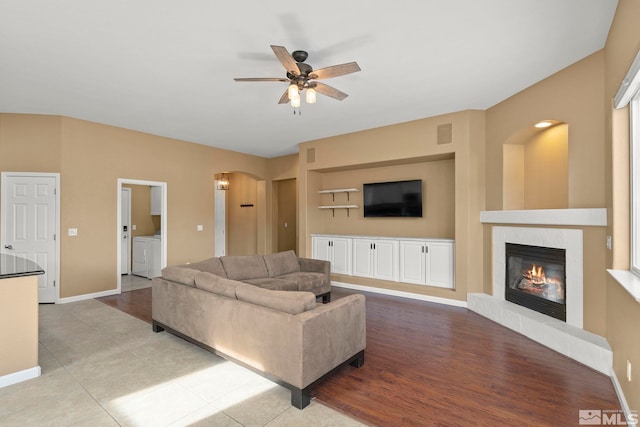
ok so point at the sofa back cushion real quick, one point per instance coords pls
(180, 274)
(240, 267)
(216, 284)
(211, 265)
(281, 263)
(291, 302)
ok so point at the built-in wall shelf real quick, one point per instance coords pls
(339, 190)
(334, 207)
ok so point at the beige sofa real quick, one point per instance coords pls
(287, 336)
(282, 271)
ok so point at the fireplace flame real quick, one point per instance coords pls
(536, 275)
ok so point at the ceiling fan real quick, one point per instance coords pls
(302, 77)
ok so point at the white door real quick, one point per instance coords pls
(219, 219)
(125, 214)
(362, 258)
(385, 259)
(341, 256)
(412, 262)
(29, 228)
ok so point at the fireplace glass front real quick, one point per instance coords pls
(535, 278)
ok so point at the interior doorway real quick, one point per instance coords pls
(158, 206)
(125, 212)
(287, 214)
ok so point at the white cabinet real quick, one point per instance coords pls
(428, 262)
(146, 257)
(336, 250)
(156, 200)
(376, 258)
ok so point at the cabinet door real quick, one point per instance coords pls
(362, 257)
(156, 198)
(440, 265)
(385, 259)
(412, 262)
(341, 256)
(320, 248)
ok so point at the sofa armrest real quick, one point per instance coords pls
(315, 265)
(331, 334)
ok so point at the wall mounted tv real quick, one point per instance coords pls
(393, 199)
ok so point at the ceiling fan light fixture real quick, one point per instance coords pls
(293, 92)
(295, 102)
(311, 96)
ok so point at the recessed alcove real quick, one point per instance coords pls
(535, 168)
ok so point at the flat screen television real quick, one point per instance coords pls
(393, 199)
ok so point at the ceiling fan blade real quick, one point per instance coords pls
(335, 71)
(286, 60)
(329, 91)
(261, 79)
(284, 99)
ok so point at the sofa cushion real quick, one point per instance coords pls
(216, 284)
(286, 301)
(242, 267)
(274, 284)
(180, 274)
(211, 265)
(308, 281)
(281, 263)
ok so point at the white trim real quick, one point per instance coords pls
(576, 217)
(56, 177)
(621, 398)
(163, 224)
(20, 376)
(402, 294)
(630, 84)
(89, 296)
(628, 280)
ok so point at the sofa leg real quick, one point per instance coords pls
(326, 298)
(156, 327)
(300, 398)
(358, 360)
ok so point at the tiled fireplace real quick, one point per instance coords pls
(543, 268)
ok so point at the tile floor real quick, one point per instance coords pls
(129, 282)
(102, 367)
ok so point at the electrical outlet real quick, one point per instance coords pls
(199, 228)
(628, 371)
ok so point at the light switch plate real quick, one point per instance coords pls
(73, 232)
(200, 228)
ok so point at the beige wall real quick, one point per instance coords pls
(546, 174)
(389, 150)
(242, 222)
(438, 195)
(146, 225)
(622, 311)
(287, 223)
(90, 158)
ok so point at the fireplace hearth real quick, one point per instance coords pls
(536, 278)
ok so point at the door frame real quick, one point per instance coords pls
(3, 232)
(163, 224)
(128, 191)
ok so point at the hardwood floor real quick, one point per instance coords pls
(431, 364)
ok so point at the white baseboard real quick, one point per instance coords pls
(19, 376)
(88, 296)
(401, 294)
(623, 401)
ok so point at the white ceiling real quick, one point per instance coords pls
(166, 67)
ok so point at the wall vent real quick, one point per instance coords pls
(444, 134)
(311, 155)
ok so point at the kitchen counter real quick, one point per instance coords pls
(12, 266)
(18, 308)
